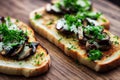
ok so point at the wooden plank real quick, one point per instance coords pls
(62, 67)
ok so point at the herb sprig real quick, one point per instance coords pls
(95, 54)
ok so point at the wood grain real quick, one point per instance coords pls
(63, 67)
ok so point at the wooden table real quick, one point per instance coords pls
(63, 67)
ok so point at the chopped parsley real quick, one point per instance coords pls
(116, 42)
(104, 20)
(38, 57)
(41, 54)
(59, 39)
(75, 21)
(116, 37)
(50, 22)
(71, 47)
(37, 16)
(72, 20)
(95, 55)
(38, 62)
(89, 14)
(20, 63)
(11, 35)
(74, 5)
(17, 20)
(94, 31)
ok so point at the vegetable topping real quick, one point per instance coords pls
(14, 41)
(69, 6)
(89, 33)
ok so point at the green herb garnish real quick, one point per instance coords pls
(71, 47)
(20, 63)
(74, 5)
(104, 20)
(17, 20)
(94, 31)
(76, 20)
(72, 22)
(59, 39)
(116, 37)
(38, 62)
(50, 22)
(116, 42)
(10, 35)
(95, 54)
(37, 16)
(89, 14)
(41, 54)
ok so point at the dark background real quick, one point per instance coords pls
(116, 2)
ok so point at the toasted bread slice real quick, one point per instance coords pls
(71, 46)
(32, 66)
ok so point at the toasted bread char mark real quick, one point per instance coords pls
(109, 58)
(32, 66)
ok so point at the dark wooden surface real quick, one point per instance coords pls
(63, 67)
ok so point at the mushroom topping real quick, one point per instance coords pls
(105, 43)
(7, 50)
(90, 45)
(2, 19)
(33, 45)
(62, 26)
(25, 53)
(14, 41)
(94, 22)
(68, 6)
(95, 41)
(53, 9)
(18, 50)
(80, 33)
(83, 41)
(85, 22)
(88, 21)
(81, 37)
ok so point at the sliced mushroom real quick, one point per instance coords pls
(105, 43)
(90, 45)
(1, 38)
(91, 21)
(33, 45)
(25, 53)
(2, 19)
(104, 47)
(62, 27)
(83, 41)
(80, 33)
(7, 50)
(105, 40)
(53, 9)
(18, 50)
(81, 37)
(85, 22)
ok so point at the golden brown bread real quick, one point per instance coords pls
(109, 60)
(29, 67)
